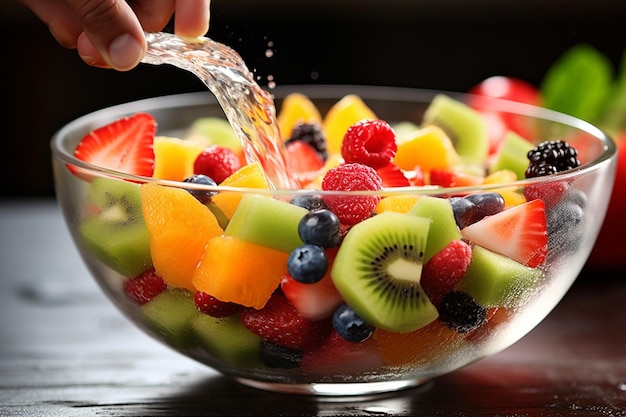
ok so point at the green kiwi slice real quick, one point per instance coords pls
(464, 126)
(512, 155)
(116, 233)
(378, 269)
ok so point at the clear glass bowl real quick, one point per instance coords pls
(387, 361)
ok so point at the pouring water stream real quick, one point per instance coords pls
(249, 109)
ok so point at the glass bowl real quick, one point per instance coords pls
(506, 298)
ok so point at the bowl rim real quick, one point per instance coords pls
(328, 91)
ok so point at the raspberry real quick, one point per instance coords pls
(213, 307)
(279, 322)
(217, 163)
(144, 287)
(369, 142)
(445, 269)
(352, 177)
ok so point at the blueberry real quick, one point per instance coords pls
(462, 209)
(349, 325)
(202, 196)
(474, 207)
(307, 263)
(460, 312)
(309, 202)
(321, 228)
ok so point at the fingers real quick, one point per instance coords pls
(59, 19)
(192, 17)
(113, 35)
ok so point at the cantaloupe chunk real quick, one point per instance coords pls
(397, 203)
(174, 157)
(343, 114)
(429, 147)
(180, 227)
(296, 108)
(248, 176)
(420, 347)
(233, 270)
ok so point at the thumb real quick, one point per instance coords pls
(112, 36)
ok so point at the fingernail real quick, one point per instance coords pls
(125, 52)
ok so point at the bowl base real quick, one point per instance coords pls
(335, 389)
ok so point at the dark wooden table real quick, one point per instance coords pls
(66, 351)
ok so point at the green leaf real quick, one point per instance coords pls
(579, 83)
(614, 118)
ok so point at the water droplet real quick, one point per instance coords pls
(314, 75)
(622, 386)
(269, 53)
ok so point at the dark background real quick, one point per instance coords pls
(444, 44)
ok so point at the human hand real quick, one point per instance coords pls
(110, 33)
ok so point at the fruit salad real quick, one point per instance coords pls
(407, 242)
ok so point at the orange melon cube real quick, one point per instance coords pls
(396, 203)
(429, 147)
(174, 158)
(179, 227)
(296, 108)
(237, 271)
(248, 176)
(343, 114)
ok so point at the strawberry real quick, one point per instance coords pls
(519, 233)
(393, 176)
(339, 356)
(213, 307)
(445, 269)
(314, 301)
(279, 322)
(303, 161)
(144, 287)
(125, 145)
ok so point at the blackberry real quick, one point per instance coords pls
(550, 157)
(460, 312)
(276, 356)
(312, 134)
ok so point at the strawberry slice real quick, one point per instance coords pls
(314, 301)
(125, 145)
(393, 176)
(520, 233)
(303, 161)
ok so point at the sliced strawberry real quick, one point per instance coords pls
(314, 301)
(280, 323)
(519, 233)
(448, 178)
(393, 176)
(125, 145)
(303, 160)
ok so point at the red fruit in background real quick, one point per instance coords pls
(608, 252)
(506, 88)
(393, 176)
(125, 145)
(217, 162)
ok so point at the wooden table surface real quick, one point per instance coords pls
(66, 351)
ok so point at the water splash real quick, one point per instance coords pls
(249, 109)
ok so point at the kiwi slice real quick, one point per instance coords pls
(228, 339)
(464, 126)
(116, 233)
(513, 155)
(495, 280)
(378, 269)
(169, 315)
(443, 228)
